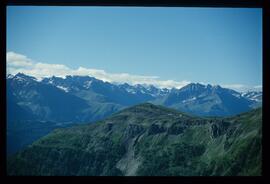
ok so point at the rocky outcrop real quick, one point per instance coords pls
(132, 130)
(176, 129)
(219, 128)
(156, 129)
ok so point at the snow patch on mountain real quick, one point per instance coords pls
(87, 84)
(253, 95)
(63, 88)
(189, 100)
(236, 95)
(130, 90)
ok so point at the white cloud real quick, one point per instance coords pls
(259, 87)
(19, 63)
(242, 88)
(17, 60)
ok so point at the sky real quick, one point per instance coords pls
(167, 47)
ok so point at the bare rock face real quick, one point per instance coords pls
(133, 130)
(129, 163)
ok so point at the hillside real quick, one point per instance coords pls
(148, 140)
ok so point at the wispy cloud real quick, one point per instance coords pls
(20, 63)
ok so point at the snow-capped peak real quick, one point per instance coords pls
(10, 76)
(253, 95)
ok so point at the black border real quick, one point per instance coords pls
(185, 3)
(143, 3)
(3, 90)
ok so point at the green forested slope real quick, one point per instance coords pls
(148, 140)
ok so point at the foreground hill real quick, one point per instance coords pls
(148, 140)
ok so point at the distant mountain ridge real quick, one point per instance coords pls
(84, 99)
(93, 99)
(207, 100)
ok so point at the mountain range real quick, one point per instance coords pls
(60, 102)
(148, 140)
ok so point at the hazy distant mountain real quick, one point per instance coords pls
(206, 100)
(95, 99)
(92, 89)
(148, 140)
(44, 102)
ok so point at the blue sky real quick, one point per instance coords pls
(217, 46)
